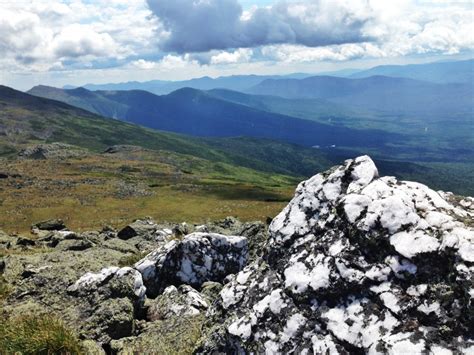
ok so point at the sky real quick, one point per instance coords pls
(59, 42)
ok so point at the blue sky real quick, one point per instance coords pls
(60, 42)
(249, 3)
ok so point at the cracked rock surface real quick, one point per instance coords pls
(356, 263)
(198, 258)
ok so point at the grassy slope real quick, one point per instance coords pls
(114, 189)
(26, 119)
(178, 179)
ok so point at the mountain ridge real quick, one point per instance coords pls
(437, 72)
(195, 112)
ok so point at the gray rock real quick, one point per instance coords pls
(140, 227)
(39, 283)
(112, 319)
(176, 302)
(25, 242)
(255, 232)
(51, 239)
(120, 245)
(30, 271)
(50, 225)
(108, 302)
(183, 229)
(198, 258)
(75, 244)
(175, 335)
(91, 347)
(211, 290)
(354, 264)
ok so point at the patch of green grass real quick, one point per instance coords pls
(131, 259)
(5, 289)
(37, 334)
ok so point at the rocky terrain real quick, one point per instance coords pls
(356, 263)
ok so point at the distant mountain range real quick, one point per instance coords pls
(198, 113)
(380, 93)
(160, 87)
(438, 72)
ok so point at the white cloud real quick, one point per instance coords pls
(168, 62)
(82, 41)
(200, 26)
(40, 35)
(68, 35)
(143, 64)
(241, 55)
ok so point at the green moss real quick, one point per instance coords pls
(131, 259)
(37, 334)
(174, 336)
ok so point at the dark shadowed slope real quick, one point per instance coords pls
(198, 113)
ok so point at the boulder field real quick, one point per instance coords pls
(356, 263)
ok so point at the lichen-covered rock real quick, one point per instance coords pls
(109, 302)
(255, 232)
(355, 263)
(145, 228)
(91, 347)
(198, 258)
(176, 302)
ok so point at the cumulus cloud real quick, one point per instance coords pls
(80, 41)
(168, 62)
(38, 35)
(304, 30)
(241, 55)
(208, 35)
(200, 26)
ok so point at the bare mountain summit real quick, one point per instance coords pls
(356, 263)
